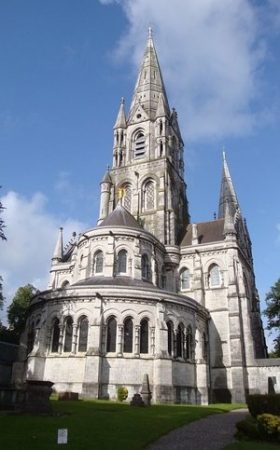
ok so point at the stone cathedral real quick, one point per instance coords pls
(146, 291)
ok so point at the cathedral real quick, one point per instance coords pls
(146, 291)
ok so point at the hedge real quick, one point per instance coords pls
(260, 404)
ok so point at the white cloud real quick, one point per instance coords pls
(211, 52)
(31, 233)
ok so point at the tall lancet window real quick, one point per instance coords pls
(83, 334)
(144, 336)
(122, 262)
(98, 262)
(68, 334)
(126, 196)
(139, 145)
(148, 196)
(55, 336)
(111, 334)
(185, 279)
(214, 276)
(128, 335)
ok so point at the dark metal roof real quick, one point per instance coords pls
(206, 232)
(114, 281)
(120, 217)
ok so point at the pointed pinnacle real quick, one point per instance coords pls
(121, 119)
(58, 251)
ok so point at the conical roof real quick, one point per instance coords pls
(121, 119)
(58, 251)
(149, 85)
(120, 217)
(227, 192)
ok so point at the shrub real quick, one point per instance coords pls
(269, 426)
(260, 404)
(248, 429)
(122, 393)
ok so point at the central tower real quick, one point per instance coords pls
(147, 174)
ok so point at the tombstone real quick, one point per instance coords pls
(137, 400)
(37, 397)
(145, 390)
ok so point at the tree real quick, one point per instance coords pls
(18, 309)
(2, 225)
(1, 293)
(272, 312)
(3, 237)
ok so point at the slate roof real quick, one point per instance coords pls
(120, 217)
(206, 232)
(114, 281)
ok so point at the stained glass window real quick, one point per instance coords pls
(185, 279)
(83, 334)
(144, 336)
(111, 335)
(55, 336)
(128, 335)
(68, 334)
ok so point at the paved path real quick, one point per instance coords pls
(211, 433)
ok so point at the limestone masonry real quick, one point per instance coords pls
(146, 291)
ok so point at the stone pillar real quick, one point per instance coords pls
(153, 344)
(74, 338)
(137, 340)
(119, 342)
(60, 343)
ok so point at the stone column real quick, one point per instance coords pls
(74, 338)
(120, 340)
(60, 343)
(152, 341)
(137, 340)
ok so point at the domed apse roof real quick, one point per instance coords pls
(115, 281)
(120, 217)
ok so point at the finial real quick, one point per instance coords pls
(150, 32)
(224, 153)
(108, 168)
(122, 100)
(215, 216)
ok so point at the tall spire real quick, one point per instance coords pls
(58, 251)
(227, 192)
(121, 119)
(149, 84)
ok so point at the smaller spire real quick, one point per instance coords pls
(121, 119)
(107, 177)
(227, 192)
(58, 251)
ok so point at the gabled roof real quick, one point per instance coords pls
(120, 217)
(206, 232)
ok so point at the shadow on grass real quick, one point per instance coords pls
(105, 424)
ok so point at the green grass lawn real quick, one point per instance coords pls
(98, 425)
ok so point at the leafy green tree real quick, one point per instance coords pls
(2, 225)
(3, 237)
(272, 313)
(18, 309)
(1, 294)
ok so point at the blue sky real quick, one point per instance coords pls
(64, 67)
